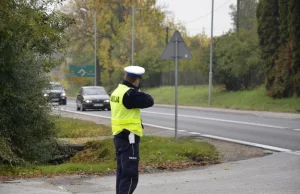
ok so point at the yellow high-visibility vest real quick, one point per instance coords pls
(121, 117)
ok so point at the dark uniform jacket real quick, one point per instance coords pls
(135, 99)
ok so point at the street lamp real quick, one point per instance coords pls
(95, 41)
(132, 39)
(211, 54)
(132, 32)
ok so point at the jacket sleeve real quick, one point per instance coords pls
(135, 99)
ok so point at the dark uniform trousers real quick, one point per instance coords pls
(127, 162)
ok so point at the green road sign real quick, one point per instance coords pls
(82, 71)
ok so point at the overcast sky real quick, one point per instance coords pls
(196, 14)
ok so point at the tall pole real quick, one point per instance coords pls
(167, 40)
(167, 35)
(132, 39)
(95, 31)
(176, 87)
(238, 15)
(211, 53)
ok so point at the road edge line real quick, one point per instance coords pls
(266, 147)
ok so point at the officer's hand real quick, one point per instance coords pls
(139, 90)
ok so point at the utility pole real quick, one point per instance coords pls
(140, 16)
(95, 29)
(95, 41)
(138, 46)
(211, 53)
(167, 41)
(238, 5)
(167, 35)
(132, 39)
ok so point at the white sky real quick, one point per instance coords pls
(187, 11)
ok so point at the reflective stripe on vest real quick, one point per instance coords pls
(121, 117)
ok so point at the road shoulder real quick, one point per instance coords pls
(228, 151)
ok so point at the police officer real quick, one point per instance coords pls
(126, 102)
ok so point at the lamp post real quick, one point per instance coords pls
(211, 54)
(132, 39)
(95, 42)
(95, 32)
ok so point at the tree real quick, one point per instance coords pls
(114, 33)
(247, 14)
(237, 59)
(282, 85)
(268, 32)
(279, 36)
(114, 30)
(198, 67)
(294, 29)
(31, 43)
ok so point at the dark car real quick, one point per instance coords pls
(92, 97)
(56, 93)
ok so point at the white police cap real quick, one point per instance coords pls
(134, 71)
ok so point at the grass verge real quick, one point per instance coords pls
(98, 157)
(75, 128)
(244, 100)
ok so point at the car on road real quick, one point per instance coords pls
(56, 93)
(92, 97)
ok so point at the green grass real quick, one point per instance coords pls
(154, 150)
(244, 100)
(98, 157)
(75, 128)
(51, 170)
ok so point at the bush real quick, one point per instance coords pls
(30, 36)
(25, 122)
(7, 156)
(238, 64)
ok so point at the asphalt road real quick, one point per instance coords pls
(281, 134)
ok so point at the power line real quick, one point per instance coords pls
(207, 13)
(204, 27)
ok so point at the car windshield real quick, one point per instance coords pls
(56, 87)
(94, 91)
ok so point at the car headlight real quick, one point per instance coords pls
(106, 100)
(88, 101)
(63, 94)
(46, 95)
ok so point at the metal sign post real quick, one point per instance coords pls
(176, 88)
(176, 49)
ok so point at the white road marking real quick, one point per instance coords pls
(278, 149)
(194, 133)
(220, 120)
(88, 114)
(297, 153)
(182, 130)
(62, 188)
(157, 126)
(296, 129)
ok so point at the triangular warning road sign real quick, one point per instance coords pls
(170, 51)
